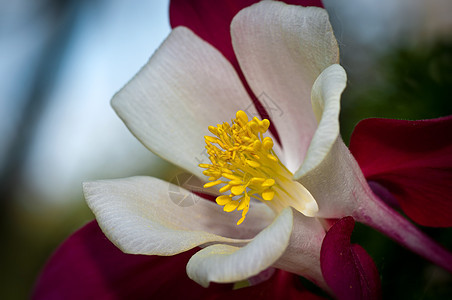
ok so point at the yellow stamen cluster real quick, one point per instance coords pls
(243, 161)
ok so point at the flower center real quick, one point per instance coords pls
(244, 161)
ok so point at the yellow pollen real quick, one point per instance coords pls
(244, 161)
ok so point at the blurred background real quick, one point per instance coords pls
(62, 60)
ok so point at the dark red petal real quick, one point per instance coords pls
(88, 266)
(282, 285)
(413, 161)
(348, 270)
(211, 21)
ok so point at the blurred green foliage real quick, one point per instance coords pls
(407, 83)
(30, 237)
(405, 275)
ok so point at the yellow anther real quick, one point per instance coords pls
(225, 188)
(245, 139)
(244, 161)
(254, 126)
(212, 183)
(230, 176)
(231, 206)
(272, 157)
(237, 190)
(210, 139)
(257, 145)
(265, 125)
(244, 202)
(268, 182)
(261, 126)
(213, 130)
(253, 163)
(235, 182)
(256, 180)
(224, 170)
(223, 200)
(267, 143)
(268, 194)
(243, 216)
(242, 117)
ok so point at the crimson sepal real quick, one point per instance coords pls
(347, 268)
(88, 266)
(413, 161)
(211, 20)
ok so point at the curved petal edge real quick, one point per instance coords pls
(224, 263)
(168, 103)
(139, 216)
(325, 99)
(282, 49)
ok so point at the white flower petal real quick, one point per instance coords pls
(326, 97)
(302, 256)
(282, 49)
(329, 171)
(225, 263)
(186, 86)
(338, 184)
(141, 215)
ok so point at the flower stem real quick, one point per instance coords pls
(380, 216)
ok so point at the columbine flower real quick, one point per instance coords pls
(290, 54)
(188, 86)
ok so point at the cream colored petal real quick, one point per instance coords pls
(326, 97)
(186, 86)
(302, 256)
(330, 172)
(300, 199)
(145, 215)
(337, 184)
(282, 49)
(225, 263)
